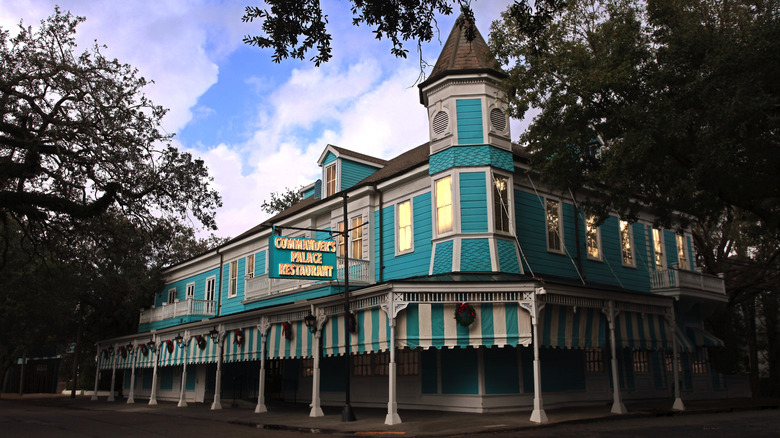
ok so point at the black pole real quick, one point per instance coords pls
(346, 414)
(75, 376)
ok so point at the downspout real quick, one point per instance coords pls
(219, 294)
(381, 236)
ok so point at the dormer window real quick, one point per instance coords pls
(330, 180)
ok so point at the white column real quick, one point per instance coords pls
(678, 403)
(263, 329)
(217, 404)
(97, 375)
(186, 342)
(617, 403)
(113, 376)
(155, 358)
(392, 416)
(537, 415)
(131, 394)
(316, 409)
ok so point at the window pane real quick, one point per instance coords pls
(501, 203)
(553, 226)
(659, 249)
(330, 180)
(444, 204)
(404, 226)
(357, 238)
(681, 254)
(592, 238)
(625, 243)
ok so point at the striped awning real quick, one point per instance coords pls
(642, 331)
(126, 362)
(105, 361)
(684, 343)
(299, 344)
(702, 338)
(373, 333)
(208, 354)
(144, 361)
(434, 325)
(562, 327)
(248, 349)
(175, 357)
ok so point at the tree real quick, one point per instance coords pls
(78, 137)
(289, 22)
(281, 201)
(674, 103)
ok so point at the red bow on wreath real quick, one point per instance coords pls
(123, 351)
(169, 344)
(144, 350)
(239, 338)
(287, 330)
(201, 342)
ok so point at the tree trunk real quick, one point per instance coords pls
(770, 306)
(749, 315)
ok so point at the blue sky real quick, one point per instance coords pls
(258, 125)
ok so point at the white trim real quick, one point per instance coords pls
(213, 280)
(397, 226)
(491, 201)
(232, 293)
(189, 290)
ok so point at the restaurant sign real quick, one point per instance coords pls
(296, 257)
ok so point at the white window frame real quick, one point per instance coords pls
(398, 250)
(210, 281)
(682, 252)
(171, 296)
(658, 249)
(630, 234)
(190, 294)
(494, 196)
(250, 267)
(335, 179)
(233, 279)
(436, 207)
(597, 229)
(341, 243)
(356, 237)
(561, 242)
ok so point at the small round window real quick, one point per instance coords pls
(498, 119)
(440, 122)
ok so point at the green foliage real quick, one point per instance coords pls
(281, 201)
(681, 95)
(289, 22)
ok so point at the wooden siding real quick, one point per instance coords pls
(475, 255)
(410, 264)
(353, 172)
(469, 121)
(473, 202)
(442, 262)
(181, 287)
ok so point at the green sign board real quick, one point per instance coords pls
(296, 257)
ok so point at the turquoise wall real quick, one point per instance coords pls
(507, 256)
(233, 305)
(473, 202)
(411, 264)
(475, 255)
(469, 121)
(442, 261)
(470, 156)
(352, 173)
(181, 287)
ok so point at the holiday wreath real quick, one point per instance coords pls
(465, 314)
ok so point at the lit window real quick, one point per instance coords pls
(626, 243)
(342, 242)
(699, 364)
(640, 361)
(593, 238)
(501, 203)
(553, 225)
(658, 246)
(357, 237)
(250, 266)
(233, 279)
(444, 204)
(190, 291)
(330, 180)
(594, 361)
(682, 255)
(404, 226)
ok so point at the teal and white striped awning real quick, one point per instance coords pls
(175, 357)
(105, 361)
(249, 349)
(208, 354)
(562, 327)
(702, 338)
(146, 361)
(434, 325)
(642, 331)
(126, 362)
(373, 333)
(299, 344)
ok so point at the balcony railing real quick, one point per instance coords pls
(178, 309)
(683, 279)
(261, 286)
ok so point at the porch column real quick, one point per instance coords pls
(186, 342)
(97, 374)
(316, 408)
(218, 381)
(113, 375)
(155, 359)
(263, 329)
(678, 403)
(133, 358)
(537, 415)
(617, 403)
(392, 416)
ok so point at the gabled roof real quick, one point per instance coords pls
(351, 155)
(459, 56)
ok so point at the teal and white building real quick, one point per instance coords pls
(561, 311)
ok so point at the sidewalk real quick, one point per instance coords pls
(370, 421)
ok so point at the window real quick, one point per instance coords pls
(682, 255)
(593, 238)
(210, 286)
(444, 204)
(501, 203)
(233, 279)
(330, 180)
(357, 237)
(377, 364)
(171, 296)
(190, 291)
(342, 249)
(250, 266)
(307, 367)
(404, 220)
(626, 243)
(594, 361)
(670, 362)
(640, 361)
(658, 246)
(699, 363)
(553, 211)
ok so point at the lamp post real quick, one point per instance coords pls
(346, 414)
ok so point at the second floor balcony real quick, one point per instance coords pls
(261, 286)
(677, 282)
(187, 308)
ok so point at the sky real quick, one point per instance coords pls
(260, 126)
